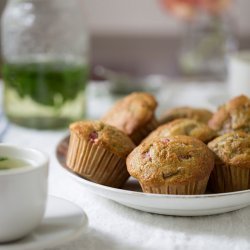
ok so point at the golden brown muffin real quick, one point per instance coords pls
(233, 116)
(183, 127)
(200, 115)
(98, 152)
(172, 165)
(134, 115)
(232, 162)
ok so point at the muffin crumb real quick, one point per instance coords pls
(198, 114)
(232, 116)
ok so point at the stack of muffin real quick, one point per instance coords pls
(185, 152)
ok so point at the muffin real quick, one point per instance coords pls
(232, 116)
(183, 127)
(98, 152)
(134, 115)
(172, 165)
(232, 162)
(200, 115)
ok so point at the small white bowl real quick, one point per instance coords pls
(239, 73)
(23, 193)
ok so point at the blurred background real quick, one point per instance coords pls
(65, 60)
(142, 37)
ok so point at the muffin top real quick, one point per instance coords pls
(232, 116)
(232, 149)
(104, 135)
(174, 160)
(200, 115)
(131, 112)
(184, 127)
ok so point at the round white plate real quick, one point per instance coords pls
(63, 222)
(180, 205)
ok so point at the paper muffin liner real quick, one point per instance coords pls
(141, 133)
(96, 163)
(194, 187)
(229, 179)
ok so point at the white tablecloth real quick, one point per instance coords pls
(113, 226)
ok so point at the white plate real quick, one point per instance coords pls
(63, 222)
(180, 205)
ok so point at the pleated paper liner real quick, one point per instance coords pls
(229, 179)
(195, 187)
(96, 163)
(141, 133)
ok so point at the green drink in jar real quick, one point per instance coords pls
(44, 95)
(45, 52)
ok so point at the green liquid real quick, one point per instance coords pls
(44, 95)
(12, 163)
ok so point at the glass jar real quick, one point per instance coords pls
(45, 53)
(206, 45)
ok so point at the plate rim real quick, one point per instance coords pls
(129, 192)
(141, 194)
(51, 244)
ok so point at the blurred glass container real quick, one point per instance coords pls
(206, 44)
(45, 51)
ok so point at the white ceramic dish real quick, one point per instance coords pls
(63, 222)
(239, 73)
(178, 205)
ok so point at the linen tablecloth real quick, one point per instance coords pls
(113, 226)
